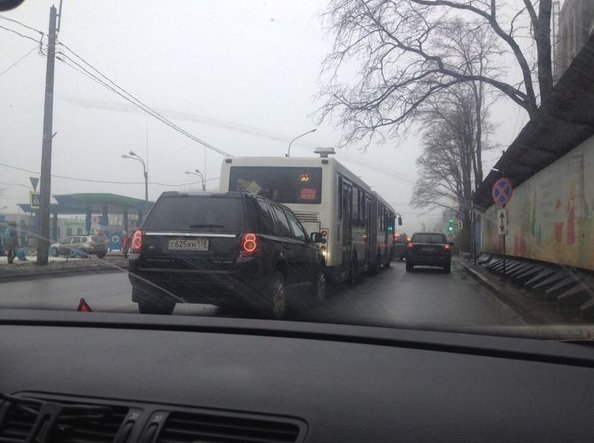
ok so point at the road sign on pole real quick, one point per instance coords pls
(34, 199)
(34, 182)
(502, 221)
(502, 191)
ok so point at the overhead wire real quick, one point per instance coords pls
(41, 33)
(82, 70)
(18, 61)
(65, 177)
(114, 87)
(19, 34)
(3, 17)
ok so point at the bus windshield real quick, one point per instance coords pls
(282, 184)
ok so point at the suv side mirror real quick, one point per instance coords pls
(399, 221)
(316, 237)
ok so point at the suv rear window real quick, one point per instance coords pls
(192, 213)
(429, 238)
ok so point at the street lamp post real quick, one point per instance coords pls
(288, 154)
(197, 173)
(133, 156)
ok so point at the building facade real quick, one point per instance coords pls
(575, 24)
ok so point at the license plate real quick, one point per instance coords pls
(196, 244)
(428, 249)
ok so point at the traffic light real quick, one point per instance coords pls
(451, 225)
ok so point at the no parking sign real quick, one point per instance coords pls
(502, 191)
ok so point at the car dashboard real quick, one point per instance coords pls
(94, 377)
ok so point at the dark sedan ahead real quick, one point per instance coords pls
(428, 249)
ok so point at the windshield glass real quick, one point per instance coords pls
(282, 184)
(394, 160)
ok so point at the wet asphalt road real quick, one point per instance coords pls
(394, 297)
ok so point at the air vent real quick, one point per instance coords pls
(187, 427)
(92, 428)
(307, 217)
(16, 421)
(58, 421)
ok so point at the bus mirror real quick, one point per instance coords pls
(399, 221)
(316, 237)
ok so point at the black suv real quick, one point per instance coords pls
(428, 249)
(233, 250)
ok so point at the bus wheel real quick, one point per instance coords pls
(374, 266)
(353, 273)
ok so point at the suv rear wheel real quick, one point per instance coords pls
(277, 296)
(319, 288)
(150, 304)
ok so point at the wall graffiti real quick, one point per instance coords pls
(551, 215)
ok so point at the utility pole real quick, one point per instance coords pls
(43, 240)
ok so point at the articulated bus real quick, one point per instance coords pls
(357, 224)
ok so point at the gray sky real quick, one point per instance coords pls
(241, 75)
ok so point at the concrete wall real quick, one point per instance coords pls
(551, 215)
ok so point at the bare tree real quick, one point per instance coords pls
(448, 172)
(447, 166)
(408, 51)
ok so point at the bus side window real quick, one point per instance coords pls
(361, 208)
(339, 197)
(355, 213)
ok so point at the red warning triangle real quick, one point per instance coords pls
(83, 306)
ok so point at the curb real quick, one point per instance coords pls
(527, 314)
(19, 276)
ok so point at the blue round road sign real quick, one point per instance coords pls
(502, 191)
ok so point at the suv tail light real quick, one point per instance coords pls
(137, 242)
(446, 247)
(249, 245)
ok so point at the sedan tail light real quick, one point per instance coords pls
(446, 247)
(137, 242)
(249, 245)
(410, 244)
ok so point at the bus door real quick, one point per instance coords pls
(370, 246)
(347, 211)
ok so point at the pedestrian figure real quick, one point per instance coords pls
(125, 243)
(21, 254)
(11, 241)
